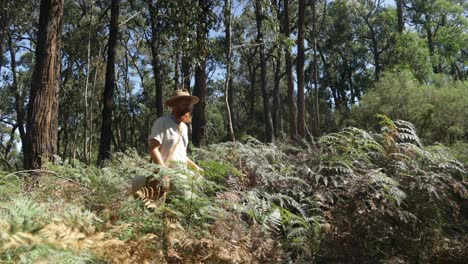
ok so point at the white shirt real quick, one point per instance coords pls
(165, 130)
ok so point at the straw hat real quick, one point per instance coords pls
(179, 94)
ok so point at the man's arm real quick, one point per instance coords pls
(192, 164)
(156, 156)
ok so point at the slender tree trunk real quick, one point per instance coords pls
(93, 93)
(42, 118)
(3, 27)
(401, 22)
(85, 128)
(10, 142)
(277, 94)
(289, 74)
(231, 101)
(19, 99)
(155, 58)
(227, 81)
(199, 117)
(269, 135)
(186, 72)
(300, 70)
(109, 87)
(252, 77)
(315, 114)
(176, 70)
(351, 85)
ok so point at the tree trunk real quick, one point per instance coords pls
(176, 70)
(227, 81)
(252, 77)
(289, 74)
(19, 98)
(401, 22)
(42, 118)
(109, 86)
(85, 127)
(277, 93)
(315, 114)
(155, 58)
(186, 72)
(3, 27)
(199, 117)
(300, 70)
(269, 135)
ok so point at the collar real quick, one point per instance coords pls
(174, 119)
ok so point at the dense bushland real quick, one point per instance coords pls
(438, 108)
(352, 196)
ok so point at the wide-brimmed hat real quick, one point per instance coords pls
(180, 94)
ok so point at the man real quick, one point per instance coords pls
(168, 140)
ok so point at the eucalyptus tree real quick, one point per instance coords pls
(400, 15)
(300, 61)
(228, 79)
(289, 72)
(344, 57)
(18, 23)
(378, 31)
(42, 117)
(204, 23)
(268, 121)
(443, 24)
(109, 88)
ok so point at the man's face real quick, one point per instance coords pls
(182, 109)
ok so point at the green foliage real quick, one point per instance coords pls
(411, 53)
(437, 110)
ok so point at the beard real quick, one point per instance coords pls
(186, 117)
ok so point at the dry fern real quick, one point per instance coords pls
(150, 197)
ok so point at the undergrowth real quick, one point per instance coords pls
(353, 196)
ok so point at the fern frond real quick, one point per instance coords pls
(149, 196)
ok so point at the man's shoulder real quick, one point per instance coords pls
(163, 119)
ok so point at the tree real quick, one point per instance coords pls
(227, 81)
(42, 117)
(199, 115)
(155, 57)
(109, 87)
(300, 69)
(400, 17)
(269, 130)
(289, 74)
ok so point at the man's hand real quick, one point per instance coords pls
(194, 166)
(166, 183)
(199, 169)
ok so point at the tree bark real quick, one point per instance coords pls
(253, 94)
(109, 87)
(3, 27)
(227, 81)
(289, 74)
(277, 93)
(300, 70)
(315, 114)
(269, 135)
(85, 123)
(186, 72)
(42, 118)
(199, 117)
(155, 58)
(19, 98)
(401, 22)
